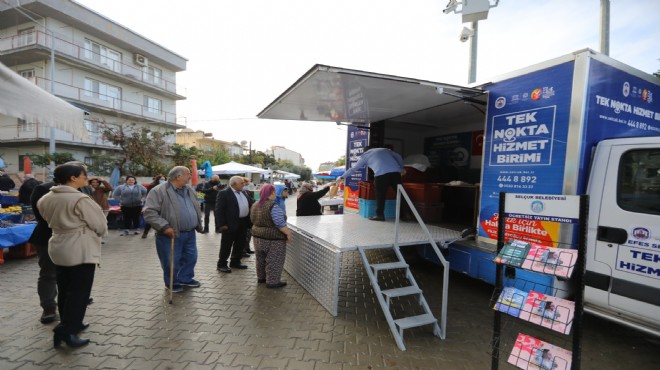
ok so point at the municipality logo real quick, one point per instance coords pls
(500, 102)
(641, 233)
(537, 206)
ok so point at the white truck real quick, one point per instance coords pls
(578, 124)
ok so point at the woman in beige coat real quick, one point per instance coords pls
(78, 223)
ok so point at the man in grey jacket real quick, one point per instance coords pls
(173, 211)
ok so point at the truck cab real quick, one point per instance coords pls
(622, 281)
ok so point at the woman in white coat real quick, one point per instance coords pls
(78, 223)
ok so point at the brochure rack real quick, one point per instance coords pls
(539, 309)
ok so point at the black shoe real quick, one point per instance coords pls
(261, 281)
(90, 301)
(224, 269)
(205, 231)
(276, 285)
(71, 340)
(144, 236)
(239, 266)
(377, 218)
(49, 315)
(249, 251)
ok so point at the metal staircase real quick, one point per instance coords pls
(397, 326)
(385, 296)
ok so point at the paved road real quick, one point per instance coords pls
(233, 322)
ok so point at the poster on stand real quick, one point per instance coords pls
(356, 144)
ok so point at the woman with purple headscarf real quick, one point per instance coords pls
(270, 234)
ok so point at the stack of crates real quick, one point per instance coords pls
(427, 199)
(367, 201)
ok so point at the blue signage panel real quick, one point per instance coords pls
(525, 138)
(356, 144)
(618, 105)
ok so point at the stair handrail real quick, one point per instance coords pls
(401, 192)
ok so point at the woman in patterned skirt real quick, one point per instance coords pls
(270, 234)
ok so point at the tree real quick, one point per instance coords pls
(101, 165)
(257, 157)
(183, 155)
(44, 160)
(143, 150)
(341, 161)
(217, 157)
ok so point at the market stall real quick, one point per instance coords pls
(16, 226)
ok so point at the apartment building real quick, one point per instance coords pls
(116, 75)
(204, 141)
(281, 153)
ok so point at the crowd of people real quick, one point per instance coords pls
(71, 213)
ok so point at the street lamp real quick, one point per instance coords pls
(473, 11)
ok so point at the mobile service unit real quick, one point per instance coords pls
(578, 124)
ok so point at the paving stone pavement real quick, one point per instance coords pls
(231, 322)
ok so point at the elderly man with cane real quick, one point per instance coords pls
(173, 211)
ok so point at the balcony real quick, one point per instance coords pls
(88, 59)
(21, 133)
(108, 104)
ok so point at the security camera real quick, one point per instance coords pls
(451, 7)
(466, 34)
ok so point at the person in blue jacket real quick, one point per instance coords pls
(388, 169)
(280, 198)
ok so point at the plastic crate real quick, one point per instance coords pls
(368, 208)
(367, 190)
(430, 193)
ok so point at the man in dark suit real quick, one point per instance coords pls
(232, 219)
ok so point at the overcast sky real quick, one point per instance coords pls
(243, 54)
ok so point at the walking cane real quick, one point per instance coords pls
(172, 270)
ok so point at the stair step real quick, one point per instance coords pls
(399, 292)
(414, 321)
(389, 266)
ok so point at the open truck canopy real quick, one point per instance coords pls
(334, 94)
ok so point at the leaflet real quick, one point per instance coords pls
(513, 253)
(549, 260)
(548, 311)
(511, 301)
(532, 353)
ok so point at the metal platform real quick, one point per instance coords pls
(313, 255)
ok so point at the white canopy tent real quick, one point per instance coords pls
(285, 175)
(233, 168)
(22, 99)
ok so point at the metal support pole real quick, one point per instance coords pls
(605, 27)
(51, 140)
(472, 74)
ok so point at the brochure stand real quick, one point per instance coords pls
(530, 302)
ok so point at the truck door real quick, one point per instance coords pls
(628, 230)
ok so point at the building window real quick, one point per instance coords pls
(92, 127)
(151, 75)
(25, 126)
(103, 55)
(28, 73)
(639, 181)
(103, 91)
(153, 105)
(25, 36)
